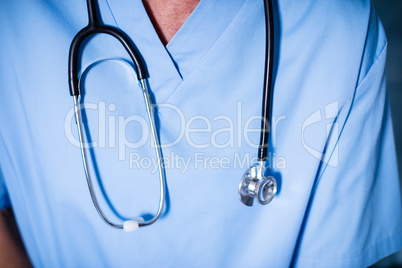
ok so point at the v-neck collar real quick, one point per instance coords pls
(200, 31)
(169, 66)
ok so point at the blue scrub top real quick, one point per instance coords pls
(331, 148)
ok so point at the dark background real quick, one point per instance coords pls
(390, 12)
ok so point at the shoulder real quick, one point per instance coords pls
(352, 26)
(335, 42)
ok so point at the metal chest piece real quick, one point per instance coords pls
(254, 184)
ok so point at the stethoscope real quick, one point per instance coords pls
(255, 184)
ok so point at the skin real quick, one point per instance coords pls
(167, 17)
(12, 251)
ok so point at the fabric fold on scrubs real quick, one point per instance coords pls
(4, 199)
(369, 178)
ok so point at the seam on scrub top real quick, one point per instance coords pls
(348, 113)
(202, 58)
(330, 152)
(363, 253)
(111, 12)
(374, 63)
(354, 98)
(355, 95)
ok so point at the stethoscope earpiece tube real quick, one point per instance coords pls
(92, 28)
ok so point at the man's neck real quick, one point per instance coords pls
(168, 16)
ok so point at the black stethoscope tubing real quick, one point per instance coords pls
(94, 27)
(268, 83)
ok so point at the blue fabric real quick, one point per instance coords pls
(4, 200)
(332, 148)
